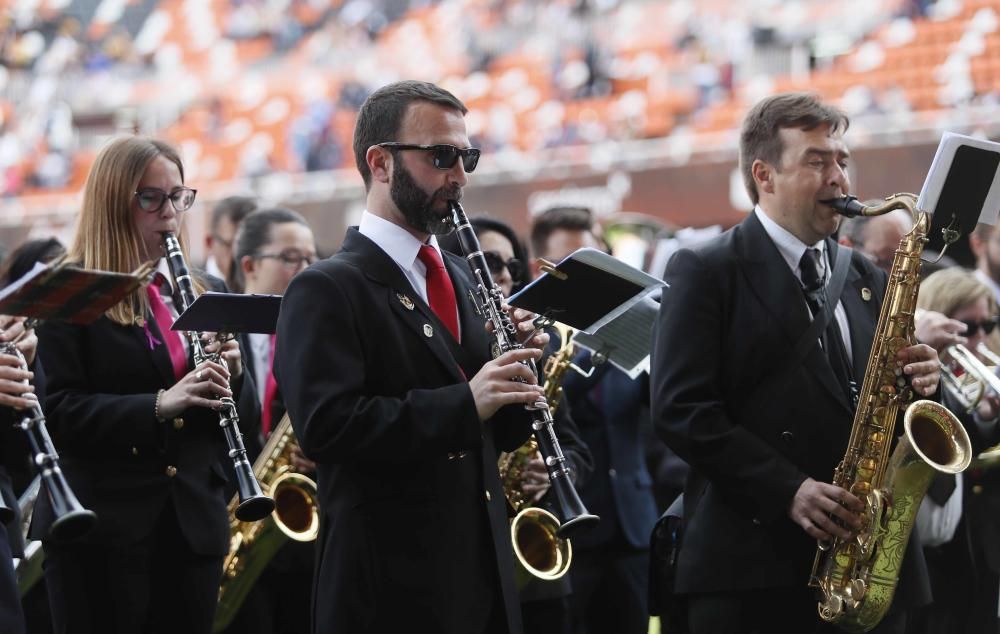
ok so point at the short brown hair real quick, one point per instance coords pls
(551, 220)
(382, 114)
(760, 138)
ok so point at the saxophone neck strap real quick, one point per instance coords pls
(833, 290)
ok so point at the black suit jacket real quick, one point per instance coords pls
(414, 526)
(751, 421)
(102, 384)
(608, 409)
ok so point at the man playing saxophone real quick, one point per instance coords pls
(762, 419)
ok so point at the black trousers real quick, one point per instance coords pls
(769, 610)
(610, 590)
(154, 586)
(11, 617)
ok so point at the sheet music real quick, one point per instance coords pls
(941, 166)
(626, 340)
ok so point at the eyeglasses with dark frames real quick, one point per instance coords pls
(496, 264)
(151, 199)
(291, 259)
(973, 327)
(443, 155)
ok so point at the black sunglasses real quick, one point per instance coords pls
(972, 327)
(444, 156)
(151, 199)
(497, 264)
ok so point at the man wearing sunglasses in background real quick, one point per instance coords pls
(385, 370)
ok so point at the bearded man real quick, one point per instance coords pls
(386, 371)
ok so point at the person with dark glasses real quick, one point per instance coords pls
(505, 254)
(964, 570)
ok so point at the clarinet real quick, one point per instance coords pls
(254, 505)
(72, 520)
(488, 299)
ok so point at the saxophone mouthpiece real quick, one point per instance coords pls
(846, 206)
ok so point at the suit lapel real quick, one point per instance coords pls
(402, 299)
(777, 289)
(860, 313)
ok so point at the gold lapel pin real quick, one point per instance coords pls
(405, 301)
(428, 330)
(866, 294)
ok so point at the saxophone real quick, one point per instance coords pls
(539, 552)
(254, 544)
(857, 577)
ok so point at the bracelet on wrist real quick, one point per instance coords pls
(156, 406)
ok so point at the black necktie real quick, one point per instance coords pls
(814, 288)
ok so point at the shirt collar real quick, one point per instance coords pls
(163, 268)
(789, 246)
(398, 243)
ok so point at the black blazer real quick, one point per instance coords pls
(102, 384)
(608, 409)
(752, 422)
(414, 527)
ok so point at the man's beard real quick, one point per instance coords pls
(417, 205)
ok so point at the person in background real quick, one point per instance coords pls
(227, 215)
(273, 246)
(959, 519)
(610, 562)
(544, 604)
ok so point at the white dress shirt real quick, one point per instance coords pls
(400, 245)
(792, 249)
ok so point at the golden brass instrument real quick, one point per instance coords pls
(538, 550)
(976, 379)
(254, 544)
(857, 577)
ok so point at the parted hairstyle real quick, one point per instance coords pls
(760, 138)
(948, 290)
(106, 236)
(381, 116)
(255, 233)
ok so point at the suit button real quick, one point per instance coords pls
(756, 522)
(488, 496)
(612, 473)
(171, 471)
(977, 489)
(178, 423)
(135, 451)
(788, 437)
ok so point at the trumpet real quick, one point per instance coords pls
(967, 378)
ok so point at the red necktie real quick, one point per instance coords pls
(440, 292)
(178, 356)
(270, 391)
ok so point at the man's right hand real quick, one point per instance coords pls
(815, 502)
(493, 386)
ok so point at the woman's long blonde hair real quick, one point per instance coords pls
(106, 236)
(948, 290)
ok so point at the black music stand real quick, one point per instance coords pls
(605, 299)
(231, 313)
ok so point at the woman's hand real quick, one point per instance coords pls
(230, 352)
(201, 387)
